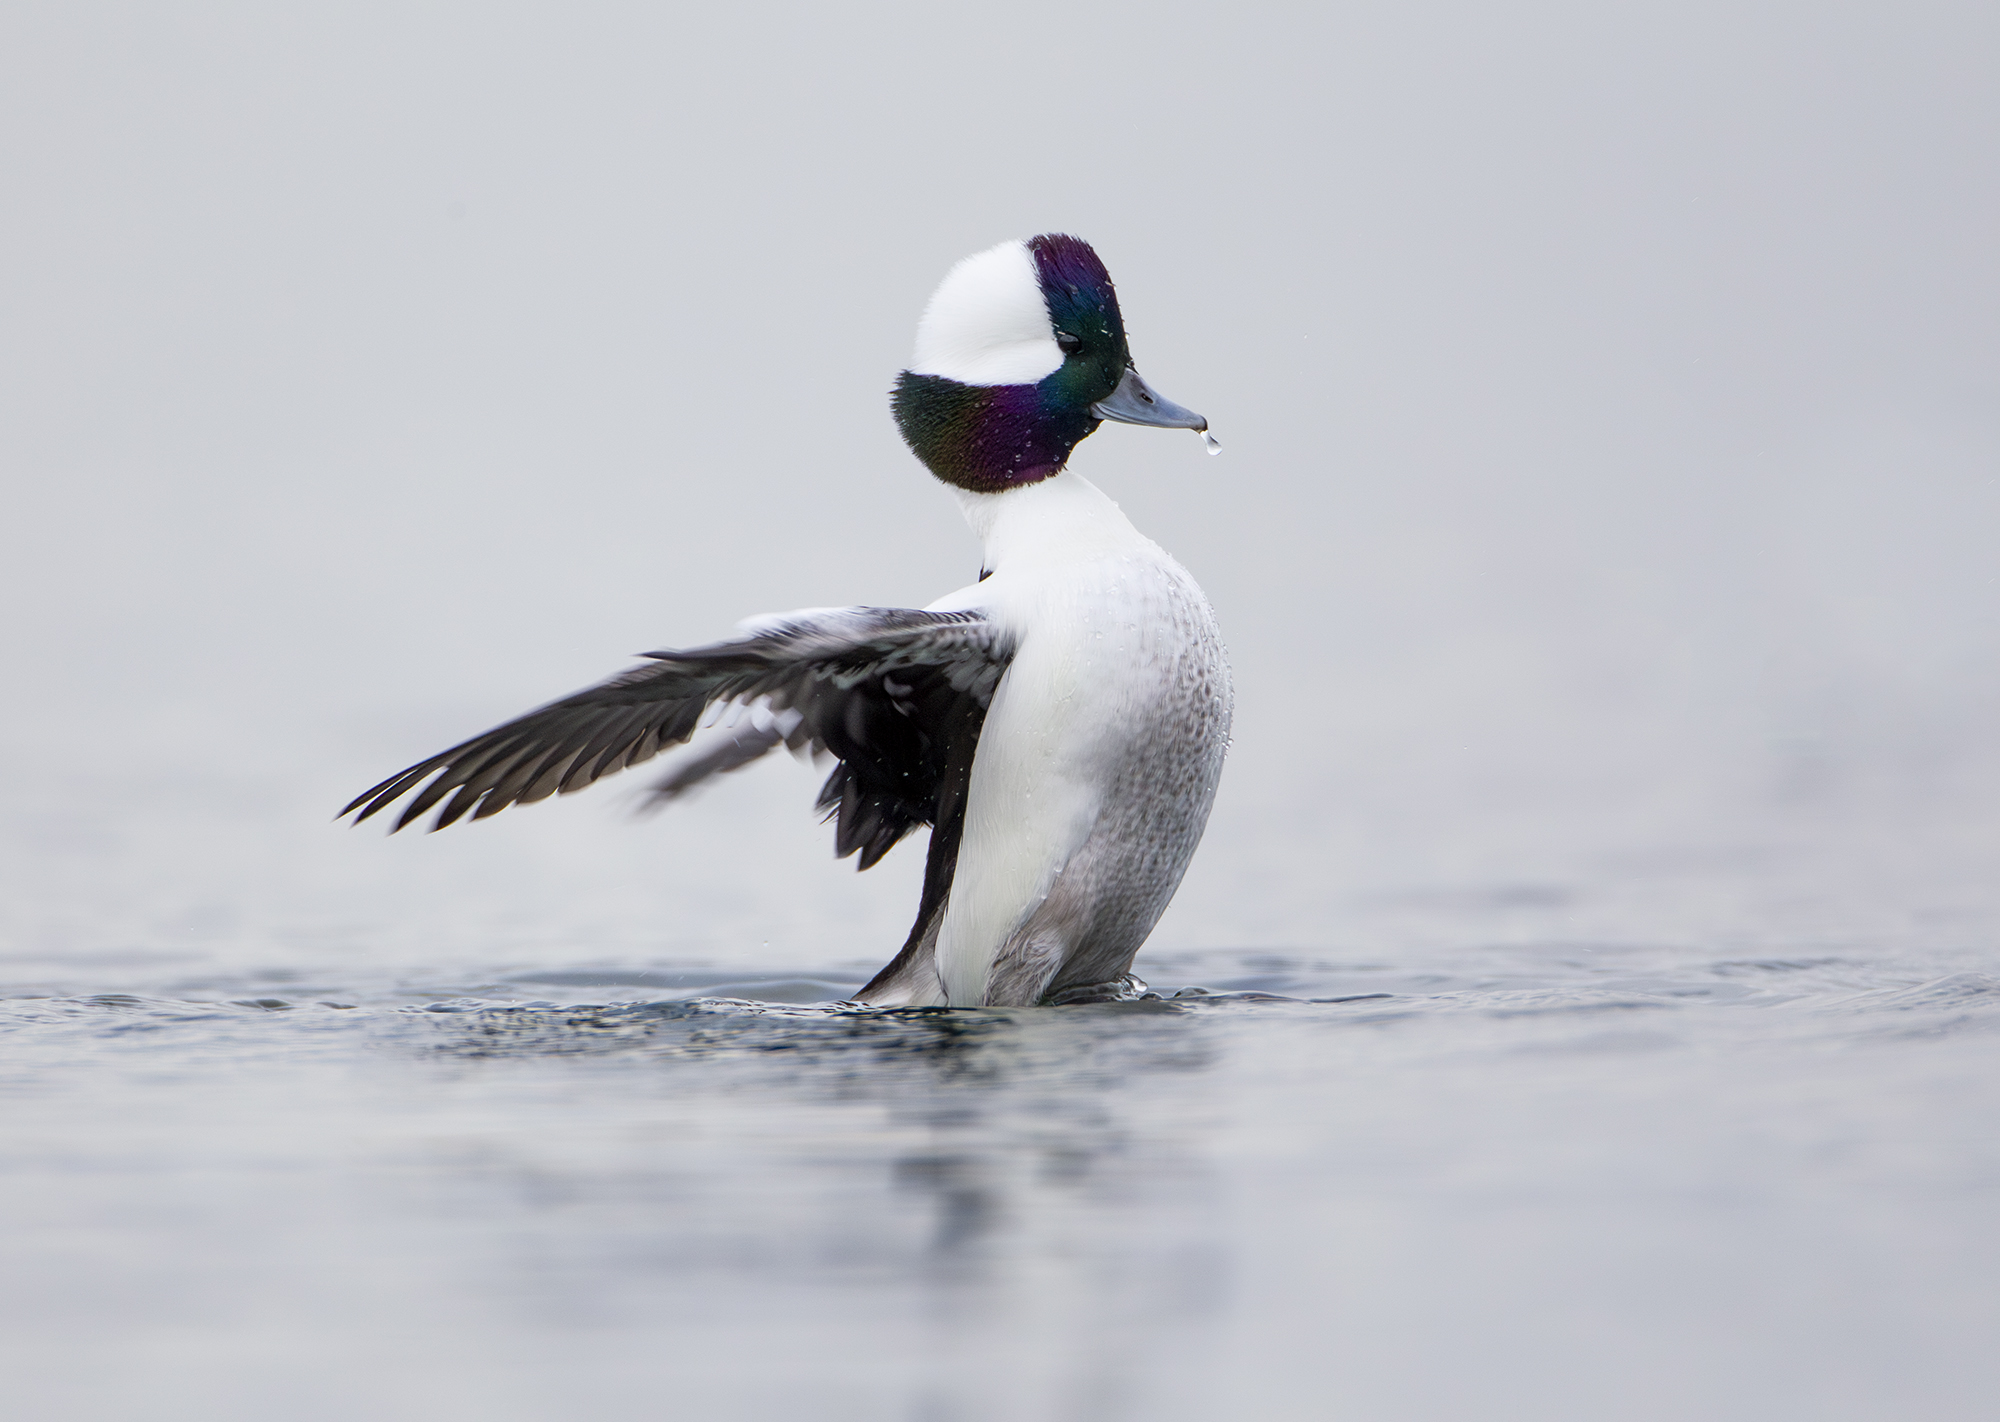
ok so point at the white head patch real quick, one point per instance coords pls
(987, 324)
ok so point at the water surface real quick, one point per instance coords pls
(1522, 1179)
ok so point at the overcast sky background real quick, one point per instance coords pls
(1610, 400)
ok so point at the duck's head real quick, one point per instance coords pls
(1020, 355)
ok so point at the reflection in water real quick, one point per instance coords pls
(981, 1184)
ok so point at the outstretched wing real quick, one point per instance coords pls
(888, 691)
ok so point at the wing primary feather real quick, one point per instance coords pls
(571, 748)
(547, 776)
(621, 746)
(401, 785)
(487, 761)
(394, 786)
(455, 808)
(522, 774)
(508, 789)
(602, 736)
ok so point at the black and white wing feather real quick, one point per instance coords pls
(896, 695)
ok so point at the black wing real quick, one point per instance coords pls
(890, 692)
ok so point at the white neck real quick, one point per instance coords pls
(1061, 518)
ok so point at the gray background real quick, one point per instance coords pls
(1609, 402)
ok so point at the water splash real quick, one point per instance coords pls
(1210, 442)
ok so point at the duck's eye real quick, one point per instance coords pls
(1068, 344)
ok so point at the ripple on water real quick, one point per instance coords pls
(812, 1034)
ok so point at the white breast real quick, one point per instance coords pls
(1107, 626)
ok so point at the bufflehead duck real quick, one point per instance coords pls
(1060, 724)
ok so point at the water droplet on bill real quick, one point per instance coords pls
(1211, 443)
